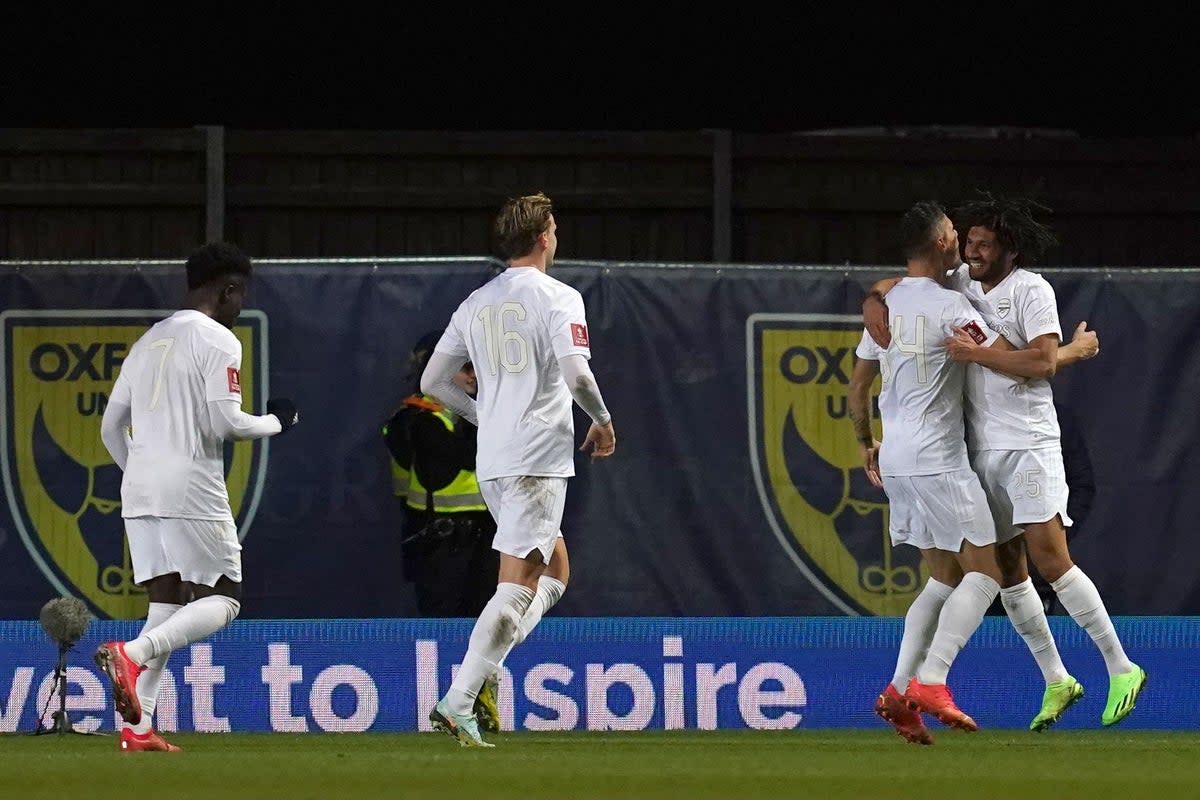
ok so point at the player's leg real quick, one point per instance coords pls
(490, 639)
(550, 588)
(920, 624)
(1027, 613)
(961, 615)
(164, 593)
(908, 526)
(962, 525)
(134, 686)
(207, 556)
(1081, 599)
(921, 620)
(529, 514)
(205, 547)
(1040, 506)
(209, 561)
(1025, 610)
(1022, 603)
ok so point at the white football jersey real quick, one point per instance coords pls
(176, 464)
(1004, 414)
(921, 402)
(514, 329)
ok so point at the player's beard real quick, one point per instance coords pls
(990, 272)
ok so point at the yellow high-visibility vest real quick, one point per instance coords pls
(461, 494)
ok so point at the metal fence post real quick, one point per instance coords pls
(722, 251)
(214, 171)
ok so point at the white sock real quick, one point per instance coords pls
(1028, 617)
(549, 591)
(1081, 600)
(919, 625)
(197, 620)
(490, 640)
(960, 616)
(147, 682)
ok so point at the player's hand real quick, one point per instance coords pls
(961, 346)
(875, 319)
(1086, 343)
(870, 456)
(601, 440)
(285, 411)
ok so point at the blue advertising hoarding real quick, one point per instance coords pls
(590, 674)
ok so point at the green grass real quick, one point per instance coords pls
(563, 766)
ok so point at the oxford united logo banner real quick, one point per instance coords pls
(63, 489)
(829, 519)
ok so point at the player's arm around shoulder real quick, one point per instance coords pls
(875, 310)
(971, 341)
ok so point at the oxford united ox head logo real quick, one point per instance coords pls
(63, 489)
(829, 519)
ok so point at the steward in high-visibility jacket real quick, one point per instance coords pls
(446, 543)
(442, 456)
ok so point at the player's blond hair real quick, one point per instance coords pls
(519, 223)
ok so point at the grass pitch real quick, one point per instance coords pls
(646, 764)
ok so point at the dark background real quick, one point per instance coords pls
(373, 131)
(561, 67)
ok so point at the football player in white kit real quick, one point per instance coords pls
(936, 502)
(527, 335)
(177, 399)
(1013, 436)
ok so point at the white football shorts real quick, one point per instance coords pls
(200, 550)
(1022, 487)
(938, 512)
(528, 511)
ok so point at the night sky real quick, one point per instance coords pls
(555, 67)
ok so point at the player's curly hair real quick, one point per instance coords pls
(519, 223)
(1011, 219)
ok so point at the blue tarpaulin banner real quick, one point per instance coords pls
(735, 490)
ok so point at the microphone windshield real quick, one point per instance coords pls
(65, 619)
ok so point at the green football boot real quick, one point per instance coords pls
(1058, 697)
(1123, 691)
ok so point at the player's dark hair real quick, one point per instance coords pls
(918, 227)
(1011, 219)
(214, 261)
(519, 223)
